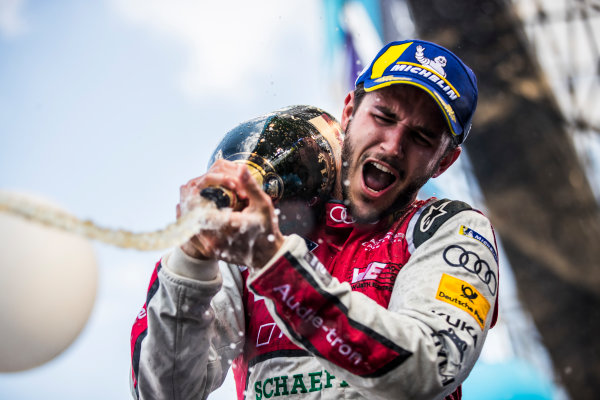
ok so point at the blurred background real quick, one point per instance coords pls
(107, 107)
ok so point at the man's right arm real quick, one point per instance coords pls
(188, 331)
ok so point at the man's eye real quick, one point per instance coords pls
(383, 120)
(420, 138)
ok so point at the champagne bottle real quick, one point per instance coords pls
(293, 153)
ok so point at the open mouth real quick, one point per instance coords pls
(377, 177)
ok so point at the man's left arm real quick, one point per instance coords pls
(428, 339)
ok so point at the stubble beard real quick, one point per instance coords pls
(401, 204)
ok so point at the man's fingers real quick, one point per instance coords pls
(233, 176)
(195, 186)
(253, 190)
(218, 179)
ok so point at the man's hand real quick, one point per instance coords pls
(250, 236)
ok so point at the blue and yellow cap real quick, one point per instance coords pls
(432, 68)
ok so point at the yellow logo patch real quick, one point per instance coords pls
(464, 296)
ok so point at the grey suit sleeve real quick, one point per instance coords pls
(194, 328)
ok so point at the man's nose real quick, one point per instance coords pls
(393, 142)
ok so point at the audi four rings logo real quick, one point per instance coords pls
(340, 214)
(457, 256)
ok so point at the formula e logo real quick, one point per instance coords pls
(432, 214)
(371, 272)
(340, 214)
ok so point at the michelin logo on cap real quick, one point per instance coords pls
(431, 69)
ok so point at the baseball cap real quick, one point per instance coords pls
(432, 68)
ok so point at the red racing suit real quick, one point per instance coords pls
(398, 309)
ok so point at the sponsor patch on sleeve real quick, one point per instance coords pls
(463, 295)
(466, 231)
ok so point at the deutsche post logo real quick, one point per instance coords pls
(464, 296)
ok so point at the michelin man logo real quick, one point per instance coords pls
(437, 64)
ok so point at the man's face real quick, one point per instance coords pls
(395, 141)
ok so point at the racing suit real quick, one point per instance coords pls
(398, 309)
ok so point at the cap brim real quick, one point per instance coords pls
(447, 110)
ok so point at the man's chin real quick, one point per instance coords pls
(364, 214)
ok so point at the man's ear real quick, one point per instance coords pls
(447, 161)
(348, 110)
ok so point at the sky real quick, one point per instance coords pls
(108, 107)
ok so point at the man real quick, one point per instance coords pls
(395, 300)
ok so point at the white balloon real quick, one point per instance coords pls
(48, 282)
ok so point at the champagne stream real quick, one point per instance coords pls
(199, 214)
